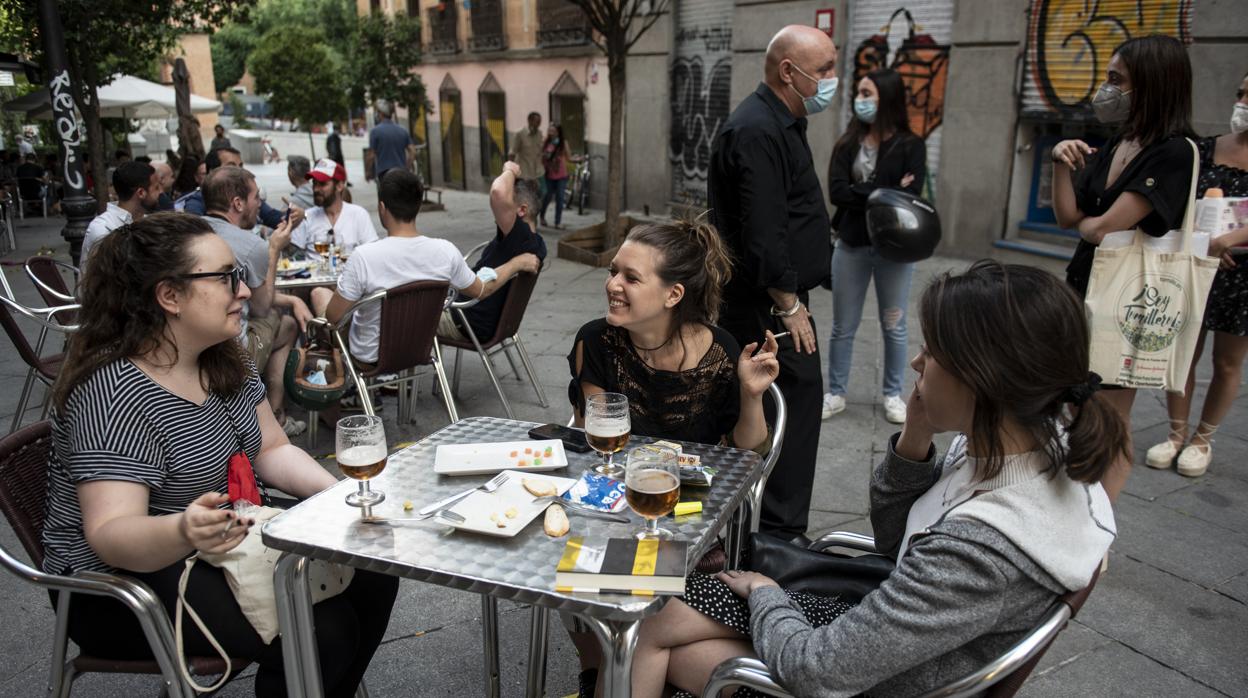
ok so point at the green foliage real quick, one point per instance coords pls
(302, 76)
(239, 111)
(230, 47)
(388, 50)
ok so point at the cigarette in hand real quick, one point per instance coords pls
(760, 344)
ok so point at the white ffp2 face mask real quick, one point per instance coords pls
(1111, 105)
(1239, 118)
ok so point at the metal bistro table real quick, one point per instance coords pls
(521, 568)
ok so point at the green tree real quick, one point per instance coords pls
(303, 78)
(231, 45)
(388, 48)
(105, 37)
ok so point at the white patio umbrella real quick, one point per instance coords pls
(126, 97)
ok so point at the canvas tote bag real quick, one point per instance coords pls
(1145, 308)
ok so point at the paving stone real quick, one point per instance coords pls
(1073, 642)
(1197, 632)
(1209, 554)
(1113, 670)
(1217, 499)
(1236, 587)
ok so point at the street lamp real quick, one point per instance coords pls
(78, 206)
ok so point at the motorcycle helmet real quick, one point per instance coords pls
(902, 227)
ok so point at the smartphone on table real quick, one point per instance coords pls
(573, 439)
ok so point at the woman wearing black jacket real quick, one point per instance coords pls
(877, 150)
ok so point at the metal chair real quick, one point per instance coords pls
(41, 368)
(1000, 678)
(23, 485)
(746, 519)
(506, 335)
(46, 274)
(408, 339)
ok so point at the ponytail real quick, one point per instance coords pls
(1095, 439)
(692, 254)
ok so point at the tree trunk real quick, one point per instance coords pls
(312, 146)
(615, 146)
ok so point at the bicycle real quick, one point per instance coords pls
(578, 189)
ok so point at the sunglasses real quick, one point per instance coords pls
(235, 275)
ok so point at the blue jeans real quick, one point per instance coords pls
(554, 189)
(852, 269)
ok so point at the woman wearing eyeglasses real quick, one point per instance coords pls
(156, 402)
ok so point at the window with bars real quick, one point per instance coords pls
(489, 26)
(561, 24)
(444, 28)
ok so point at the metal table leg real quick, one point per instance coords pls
(618, 639)
(737, 533)
(294, 618)
(536, 686)
(489, 633)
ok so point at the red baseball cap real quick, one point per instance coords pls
(326, 170)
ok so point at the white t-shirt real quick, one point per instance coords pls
(392, 262)
(353, 228)
(111, 219)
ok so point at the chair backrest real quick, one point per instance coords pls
(409, 323)
(49, 272)
(1008, 686)
(11, 328)
(519, 291)
(30, 188)
(24, 484)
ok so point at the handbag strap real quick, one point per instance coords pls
(177, 634)
(1189, 215)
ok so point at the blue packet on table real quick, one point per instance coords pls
(597, 491)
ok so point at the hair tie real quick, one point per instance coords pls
(1079, 394)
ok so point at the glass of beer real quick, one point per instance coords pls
(652, 486)
(320, 243)
(607, 428)
(360, 442)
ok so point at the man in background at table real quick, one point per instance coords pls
(347, 225)
(516, 248)
(233, 201)
(766, 201)
(403, 256)
(229, 157)
(138, 192)
(388, 142)
(297, 169)
(526, 151)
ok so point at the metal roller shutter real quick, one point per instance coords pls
(701, 78)
(912, 38)
(1069, 43)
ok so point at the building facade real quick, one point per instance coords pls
(991, 84)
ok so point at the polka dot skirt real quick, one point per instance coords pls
(714, 599)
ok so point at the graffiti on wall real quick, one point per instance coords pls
(1071, 42)
(701, 82)
(922, 63)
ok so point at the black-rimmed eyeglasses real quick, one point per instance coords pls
(235, 275)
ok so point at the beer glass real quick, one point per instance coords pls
(652, 486)
(361, 453)
(320, 244)
(607, 429)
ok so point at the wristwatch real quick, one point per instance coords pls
(786, 313)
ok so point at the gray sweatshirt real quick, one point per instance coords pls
(961, 595)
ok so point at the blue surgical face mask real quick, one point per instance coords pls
(822, 98)
(865, 108)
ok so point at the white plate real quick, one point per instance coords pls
(477, 507)
(296, 267)
(488, 458)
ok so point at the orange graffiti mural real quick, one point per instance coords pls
(1072, 41)
(923, 65)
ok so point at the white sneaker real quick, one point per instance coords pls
(1194, 460)
(895, 409)
(1161, 455)
(294, 427)
(832, 404)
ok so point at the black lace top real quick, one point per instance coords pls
(700, 404)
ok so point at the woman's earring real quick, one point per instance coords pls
(177, 314)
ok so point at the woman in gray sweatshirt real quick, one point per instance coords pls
(985, 538)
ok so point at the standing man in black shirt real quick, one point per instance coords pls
(766, 201)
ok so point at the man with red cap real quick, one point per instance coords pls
(344, 224)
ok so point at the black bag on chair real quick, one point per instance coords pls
(827, 574)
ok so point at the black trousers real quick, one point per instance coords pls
(786, 501)
(349, 627)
